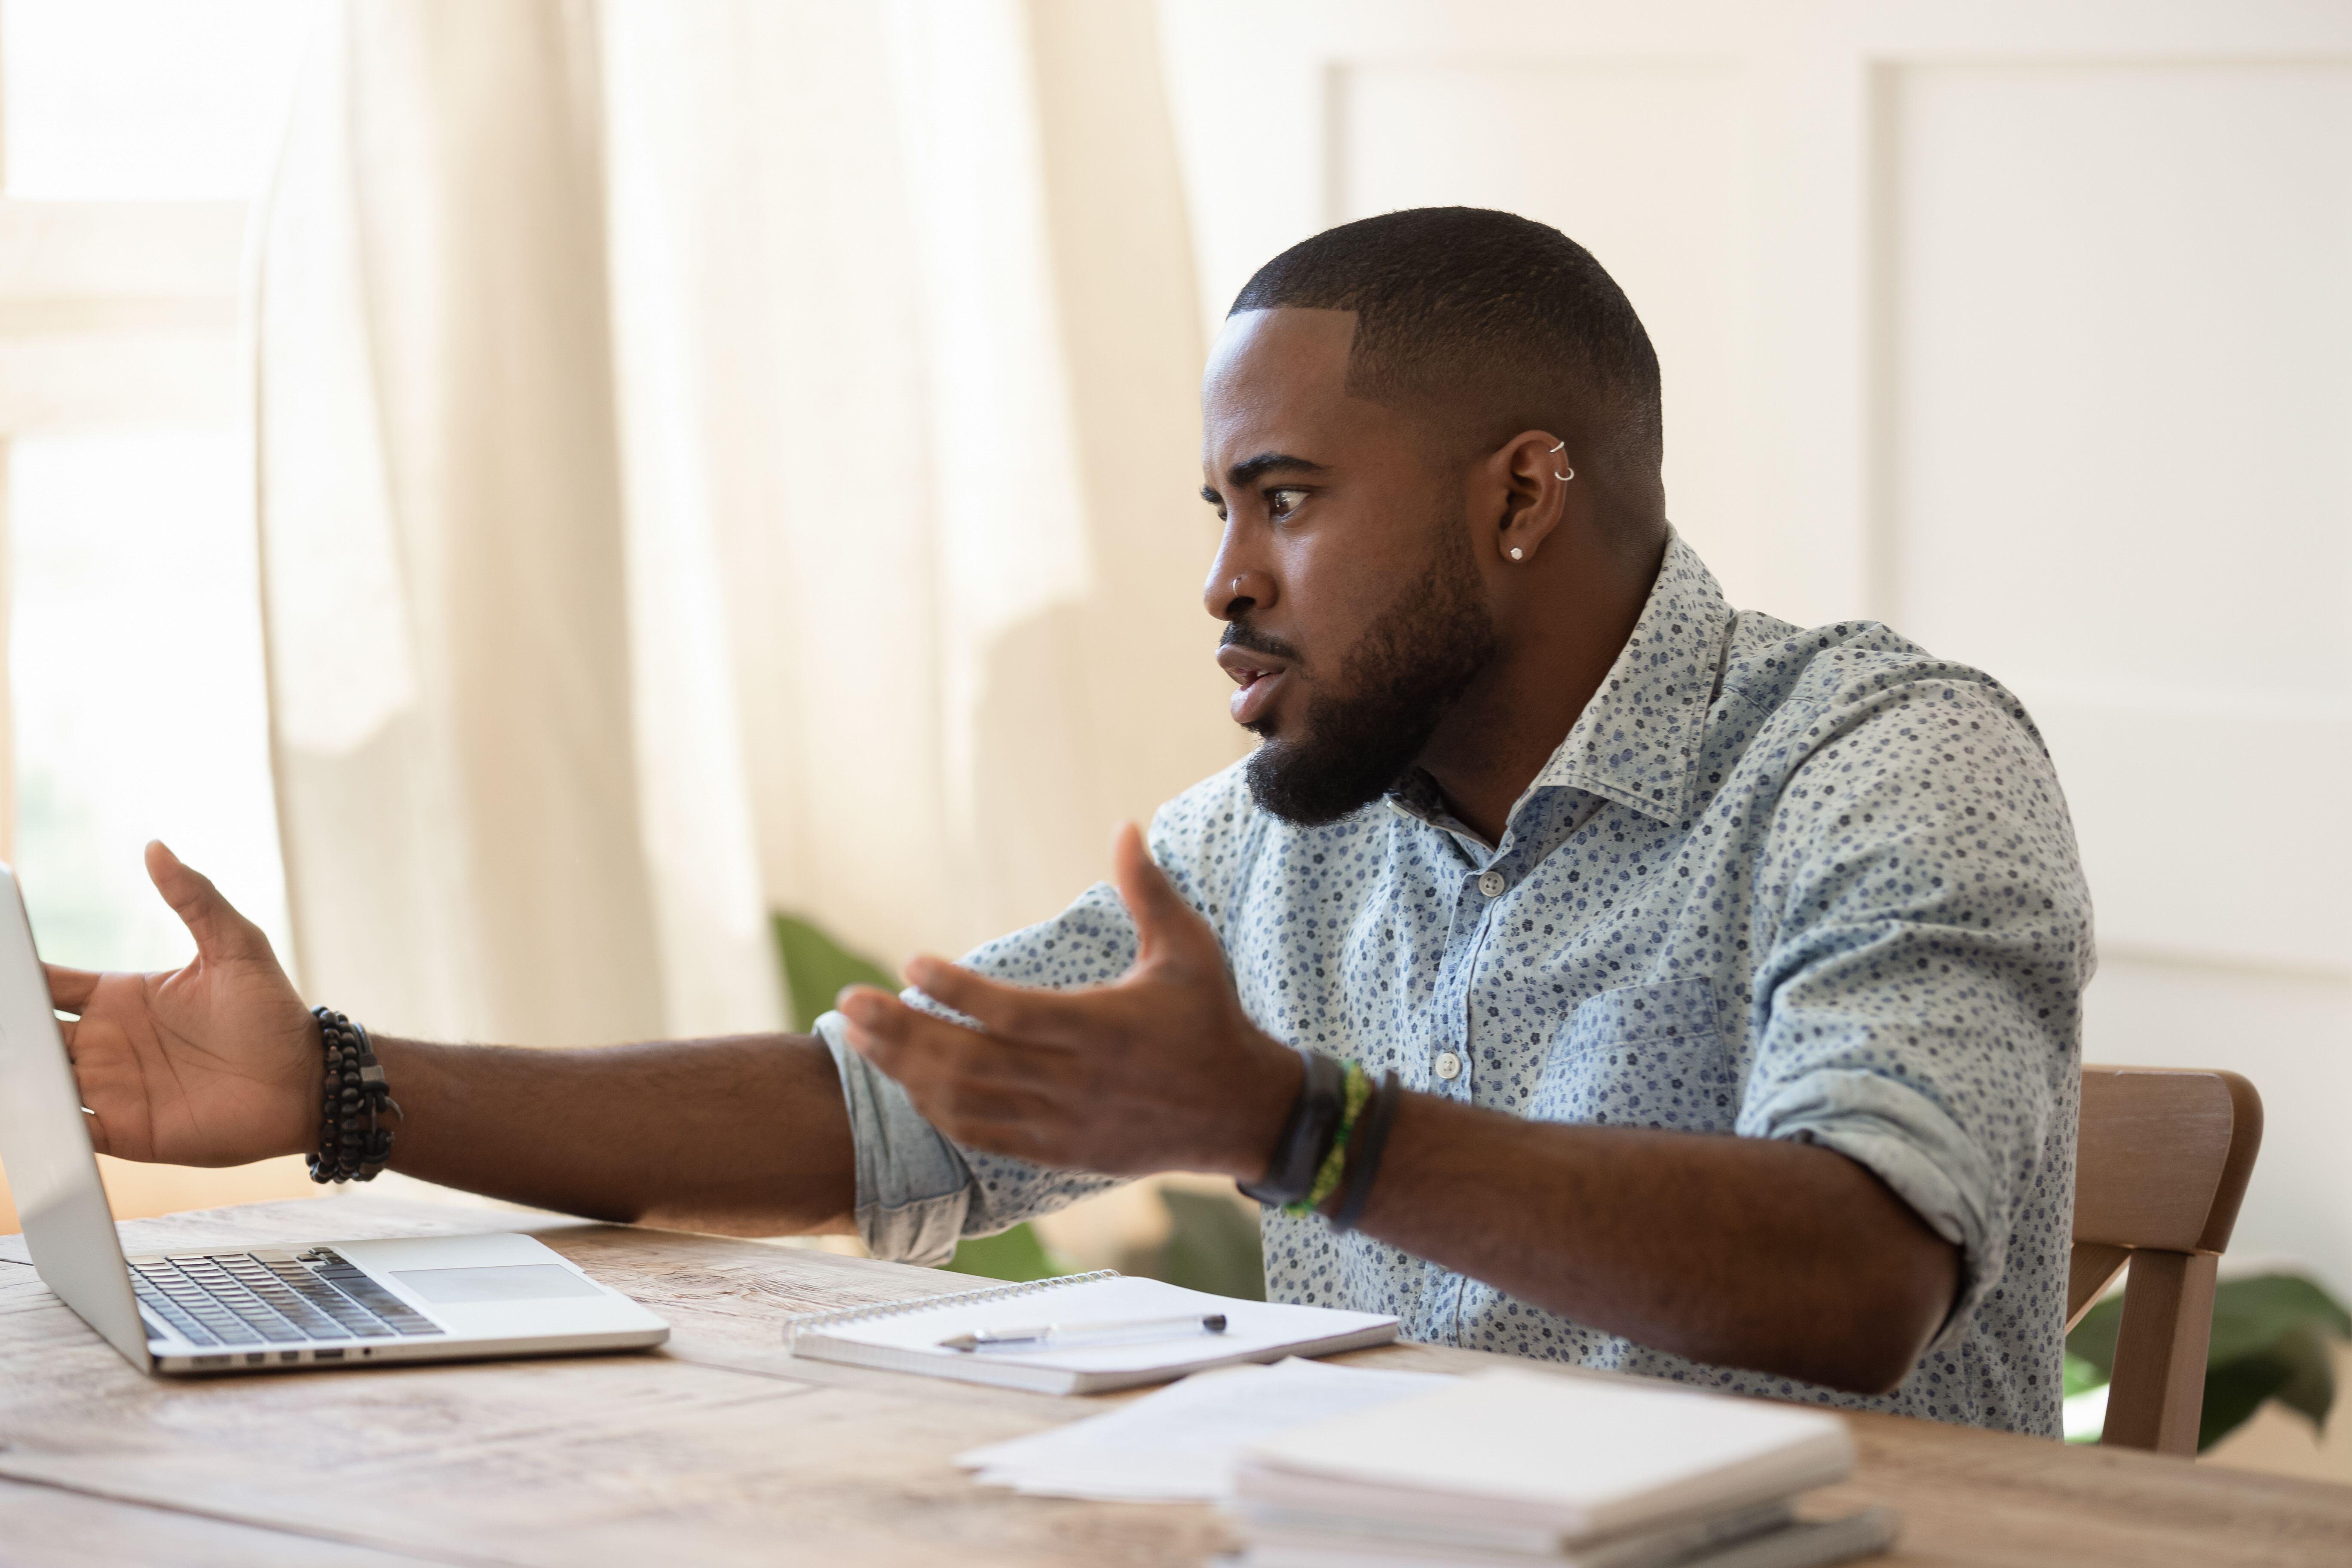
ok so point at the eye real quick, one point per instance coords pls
(1282, 503)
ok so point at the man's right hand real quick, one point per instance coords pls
(214, 1064)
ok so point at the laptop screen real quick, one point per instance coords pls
(45, 1147)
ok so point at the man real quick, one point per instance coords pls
(1730, 973)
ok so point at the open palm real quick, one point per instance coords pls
(215, 1063)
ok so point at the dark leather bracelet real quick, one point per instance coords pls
(1364, 1163)
(1305, 1135)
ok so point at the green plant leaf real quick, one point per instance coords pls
(2271, 1335)
(2235, 1391)
(2249, 1316)
(2310, 1387)
(2253, 1314)
(816, 967)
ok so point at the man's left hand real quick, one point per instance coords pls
(1159, 1070)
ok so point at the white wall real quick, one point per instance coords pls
(2024, 327)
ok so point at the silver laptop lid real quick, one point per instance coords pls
(45, 1147)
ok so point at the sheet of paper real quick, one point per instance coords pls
(1179, 1445)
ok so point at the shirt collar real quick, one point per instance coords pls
(1637, 741)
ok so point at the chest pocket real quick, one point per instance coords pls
(1643, 1055)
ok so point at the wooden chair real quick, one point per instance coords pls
(2160, 1171)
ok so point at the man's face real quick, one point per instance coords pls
(1356, 615)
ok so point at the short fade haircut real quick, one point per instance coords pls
(1489, 318)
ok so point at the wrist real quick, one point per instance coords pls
(1271, 1087)
(298, 1131)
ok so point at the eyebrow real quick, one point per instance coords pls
(1249, 471)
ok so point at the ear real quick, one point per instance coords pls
(1528, 468)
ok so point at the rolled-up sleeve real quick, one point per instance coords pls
(1915, 1008)
(917, 1191)
(914, 1188)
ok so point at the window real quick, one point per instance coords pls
(136, 135)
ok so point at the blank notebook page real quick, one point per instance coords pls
(1250, 1326)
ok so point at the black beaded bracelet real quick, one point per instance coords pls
(1365, 1163)
(352, 1144)
(1305, 1136)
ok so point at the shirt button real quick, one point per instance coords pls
(1449, 1065)
(1491, 884)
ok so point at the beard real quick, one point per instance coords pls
(1356, 740)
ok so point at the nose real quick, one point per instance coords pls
(1237, 585)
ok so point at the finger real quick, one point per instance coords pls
(912, 1045)
(1018, 1139)
(220, 931)
(69, 989)
(1012, 1011)
(97, 1132)
(1163, 918)
(971, 1086)
(881, 1026)
(981, 1110)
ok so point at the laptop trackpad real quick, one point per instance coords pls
(505, 1282)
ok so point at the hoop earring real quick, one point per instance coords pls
(1563, 446)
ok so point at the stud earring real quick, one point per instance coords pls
(1517, 553)
(1563, 446)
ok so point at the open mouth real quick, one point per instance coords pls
(1259, 676)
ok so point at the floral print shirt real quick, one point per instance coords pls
(1775, 883)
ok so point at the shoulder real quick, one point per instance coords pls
(1880, 776)
(1812, 689)
(1862, 742)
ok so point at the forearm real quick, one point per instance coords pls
(747, 1135)
(1766, 1255)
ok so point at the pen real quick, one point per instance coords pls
(1051, 1336)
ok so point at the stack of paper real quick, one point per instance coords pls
(1179, 1445)
(1514, 1468)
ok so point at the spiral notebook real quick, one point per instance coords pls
(907, 1335)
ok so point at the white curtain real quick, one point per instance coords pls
(714, 458)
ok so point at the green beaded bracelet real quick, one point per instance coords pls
(1335, 1164)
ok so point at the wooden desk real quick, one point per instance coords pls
(721, 1449)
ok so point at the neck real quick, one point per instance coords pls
(1494, 742)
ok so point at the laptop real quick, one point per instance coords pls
(342, 1303)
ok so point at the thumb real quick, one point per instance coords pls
(1163, 921)
(220, 931)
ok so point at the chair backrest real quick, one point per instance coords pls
(2160, 1171)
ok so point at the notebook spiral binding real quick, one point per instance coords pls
(799, 1323)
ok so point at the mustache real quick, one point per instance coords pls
(1240, 634)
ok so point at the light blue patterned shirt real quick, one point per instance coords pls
(1775, 883)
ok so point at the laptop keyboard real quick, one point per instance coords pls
(238, 1299)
